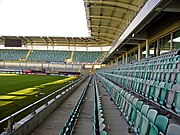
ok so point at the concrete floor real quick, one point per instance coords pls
(115, 123)
(84, 123)
(56, 121)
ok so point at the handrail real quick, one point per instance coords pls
(53, 94)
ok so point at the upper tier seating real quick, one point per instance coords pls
(6, 54)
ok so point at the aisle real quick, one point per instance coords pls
(56, 120)
(115, 123)
(84, 123)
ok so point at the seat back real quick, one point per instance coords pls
(177, 102)
(144, 109)
(161, 123)
(144, 126)
(173, 129)
(151, 115)
(153, 130)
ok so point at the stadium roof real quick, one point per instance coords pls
(106, 19)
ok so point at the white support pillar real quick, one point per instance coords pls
(147, 48)
(171, 42)
(123, 59)
(117, 62)
(139, 52)
(158, 48)
(126, 59)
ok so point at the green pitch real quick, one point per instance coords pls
(18, 91)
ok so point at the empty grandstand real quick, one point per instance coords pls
(124, 78)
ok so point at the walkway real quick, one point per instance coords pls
(56, 121)
(116, 124)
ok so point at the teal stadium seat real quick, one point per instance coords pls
(161, 123)
(171, 95)
(152, 130)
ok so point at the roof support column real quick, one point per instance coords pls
(126, 58)
(117, 62)
(123, 59)
(158, 48)
(147, 48)
(171, 42)
(139, 52)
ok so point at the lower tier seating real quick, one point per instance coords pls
(6, 54)
(144, 118)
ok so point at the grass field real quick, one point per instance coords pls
(18, 91)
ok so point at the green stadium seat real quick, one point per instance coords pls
(148, 86)
(151, 115)
(144, 126)
(152, 130)
(144, 109)
(132, 116)
(103, 133)
(152, 89)
(161, 123)
(163, 93)
(171, 95)
(158, 90)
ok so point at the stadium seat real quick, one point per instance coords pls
(158, 90)
(171, 95)
(161, 123)
(176, 102)
(173, 129)
(144, 126)
(151, 115)
(153, 130)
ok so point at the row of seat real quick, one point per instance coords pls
(86, 57)
(161, 87)
(162, 63)
(98, 120)
(165, 94)
(144, 119)
(171, 53)
(50, 55)
(69, 125)
(6, 54)
(165, 76)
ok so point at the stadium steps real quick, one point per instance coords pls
(55, 122)
(84, 120)
(114, 121)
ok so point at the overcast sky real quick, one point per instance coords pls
(65, 18)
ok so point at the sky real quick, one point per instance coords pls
(57, 18)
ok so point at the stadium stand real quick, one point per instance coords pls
(86, 57)
(49, 55)
(142, 80)
(7, 54)
(133, 88)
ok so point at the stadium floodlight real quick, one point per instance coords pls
(55, 18)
